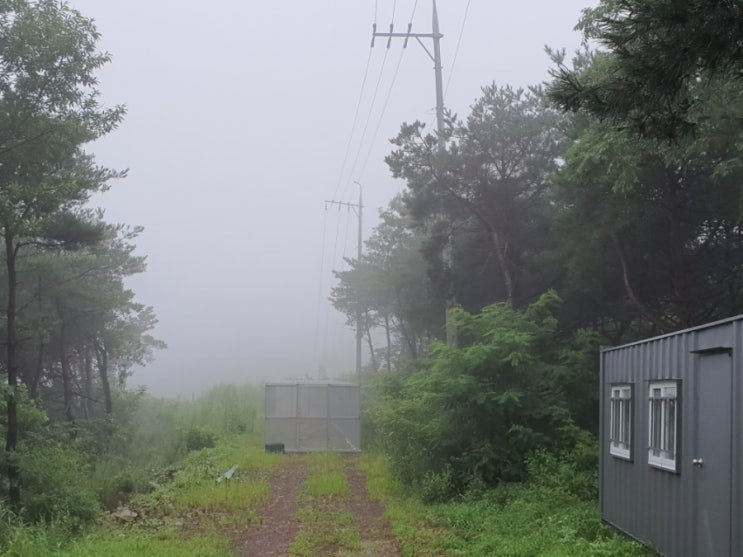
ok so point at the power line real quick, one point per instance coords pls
(381, 115)
(413, 14)
(320, 288)
(456, 50)
(353, 125)
(369, 114)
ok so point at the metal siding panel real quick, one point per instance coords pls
(736, 488)
(647, 503)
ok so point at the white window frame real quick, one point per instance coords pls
(621, 420)
(663, 424)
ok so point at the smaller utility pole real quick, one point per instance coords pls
(359, 208)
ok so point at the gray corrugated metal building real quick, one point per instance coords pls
(671, 470)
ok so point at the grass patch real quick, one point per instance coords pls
(327, 476)
(327, 527)
(111, 540)
(327, 485)
(161, 544)
(191, 514)
(510, 521)
(325, 531)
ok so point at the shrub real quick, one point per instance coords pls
(54, 485)
(573, 470)
(468, 416)
(197, 438)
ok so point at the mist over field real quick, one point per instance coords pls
(240, 125)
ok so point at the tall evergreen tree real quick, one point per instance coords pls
(657, 55)
(49, 108)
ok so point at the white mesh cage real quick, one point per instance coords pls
(313, 416)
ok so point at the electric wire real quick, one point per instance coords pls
(320, 286)
(324, 333)
(456, 50)
(381, 115)
(389, 94)
(353, 125)
(369, 114)
(327, 339)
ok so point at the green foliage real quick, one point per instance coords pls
(482, 194)
(19, 538)
(54, 474)
(32, 419)
(471, 416)
(574, 470)
(512, 520)
(521, 521)
(648, 230)
(54, 482)
(659, 52)
(197, 438)
(229, 408)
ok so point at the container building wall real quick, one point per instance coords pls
(694, 510)
(308, 417)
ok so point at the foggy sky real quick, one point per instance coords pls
(239, 119)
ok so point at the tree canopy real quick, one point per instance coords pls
(657, 55)
(65, 303)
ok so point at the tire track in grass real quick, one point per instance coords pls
(278, 522)
(328, 529)
(376, 532)
(320, 506)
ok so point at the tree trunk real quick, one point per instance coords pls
(11, 441)
(102, 358)
(64, 361)
(371, 345)
(87, 380)
(33, 382)
(389, 342)
(501, 255)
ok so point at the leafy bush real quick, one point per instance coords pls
(572, 470)
(197, 438)
(469, 416)
(54, 484)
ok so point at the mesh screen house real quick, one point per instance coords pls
(313, 416)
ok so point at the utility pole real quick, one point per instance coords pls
(435, 57)
(436, 36)
(359, 208)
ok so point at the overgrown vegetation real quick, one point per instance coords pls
(542, 517)
(326, 525)
(468, 417)
(144, 460)
(628, 204)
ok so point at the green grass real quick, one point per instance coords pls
(327, 477)
(324, 529)
(162, 544)
(144, 448)
(196, 486)
(327, 527)
(511, 521)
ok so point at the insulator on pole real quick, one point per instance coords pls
(389, 41)
(405, 44)
(374, 33)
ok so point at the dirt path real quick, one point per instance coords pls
(375, 530)
(279, 525)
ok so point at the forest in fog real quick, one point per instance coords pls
(596, 209)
